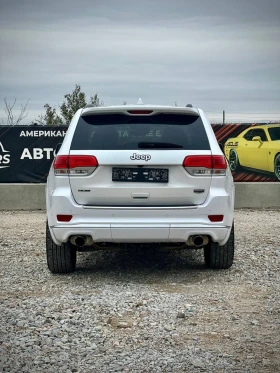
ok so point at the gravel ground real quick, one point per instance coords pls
(140, 311)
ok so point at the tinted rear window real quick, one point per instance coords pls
(120, 131)
(274, 133)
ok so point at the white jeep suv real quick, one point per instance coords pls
(127, 175)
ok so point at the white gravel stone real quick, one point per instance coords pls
(140, 311)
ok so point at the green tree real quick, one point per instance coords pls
(95, 101)
(73, 102)
(51, 118)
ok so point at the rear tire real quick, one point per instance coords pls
(60, 258)
(220, 257)
(277, 166)
(234, 161)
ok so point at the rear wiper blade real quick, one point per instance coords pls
(159, 145)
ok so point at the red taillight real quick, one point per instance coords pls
(140, 112)
(203, 161)
(215, 218)
(202, 165)
(75, 164)
(219, 162)
(61, 162)
(82, 161)
(64, 218)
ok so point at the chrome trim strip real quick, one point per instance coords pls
(89, 207)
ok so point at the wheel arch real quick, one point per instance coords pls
(277, 153)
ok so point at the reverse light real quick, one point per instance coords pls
(64, 218)
(79, 165)
(205, 165)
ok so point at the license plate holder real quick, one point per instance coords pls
(140, 175)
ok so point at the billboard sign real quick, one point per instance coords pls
(253, 151)
(26, 153)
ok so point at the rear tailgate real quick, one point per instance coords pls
(140, 160)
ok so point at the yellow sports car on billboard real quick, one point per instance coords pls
(256, 148)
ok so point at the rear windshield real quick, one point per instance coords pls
(120, 131)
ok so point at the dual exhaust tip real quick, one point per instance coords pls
(197, 241)
(81, 241)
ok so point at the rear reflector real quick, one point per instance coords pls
(203, 165)
(216, 218)
(64, 217)
(75, 164)
(140, 112)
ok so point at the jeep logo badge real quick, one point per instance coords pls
(138, 157)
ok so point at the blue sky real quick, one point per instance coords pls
(217, 55)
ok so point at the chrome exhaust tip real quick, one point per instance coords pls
(197, 241)
(81, 241)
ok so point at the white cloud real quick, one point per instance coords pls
(163, 54)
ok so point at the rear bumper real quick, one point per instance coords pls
(139, 224)
(140, 233)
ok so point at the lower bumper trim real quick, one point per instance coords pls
(141, 234)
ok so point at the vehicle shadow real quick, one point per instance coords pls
(141, 261)
(172, 271)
